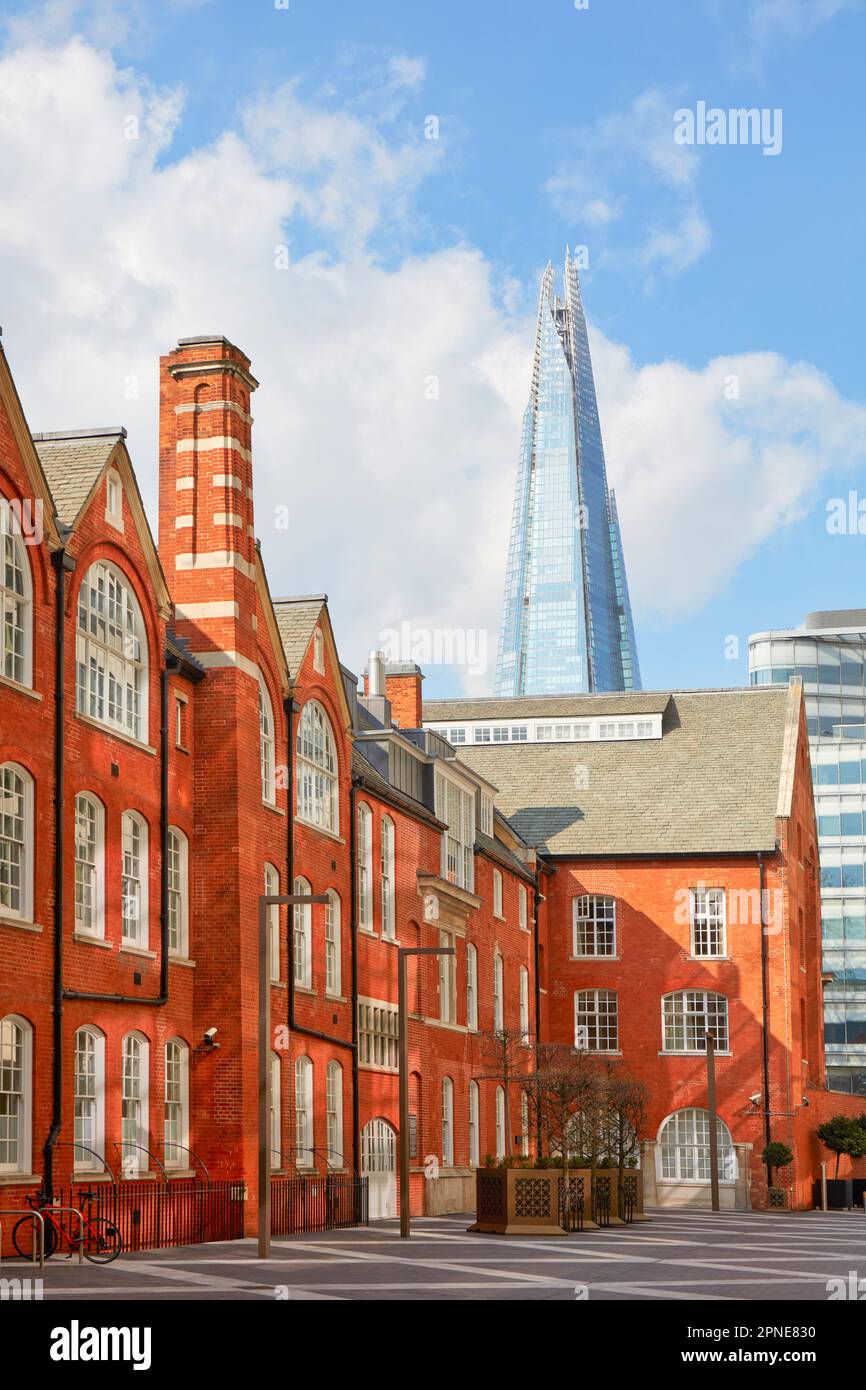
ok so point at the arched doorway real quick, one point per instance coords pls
(379, 1167)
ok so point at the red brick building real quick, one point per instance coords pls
(174, 741)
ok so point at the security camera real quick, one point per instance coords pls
(805, 1100)
(756, 1098)
(211, 1033)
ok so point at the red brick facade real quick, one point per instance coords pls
(198, 770)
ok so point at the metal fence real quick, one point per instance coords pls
(156, 1215)
(317, 1204)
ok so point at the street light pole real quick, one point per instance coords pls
(711, 1107)
(267, 900)
(403, 1056)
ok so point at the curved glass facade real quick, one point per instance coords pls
(831, 664)
(566, 617)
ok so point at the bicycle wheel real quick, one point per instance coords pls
(102, 1241)
(24, 1239)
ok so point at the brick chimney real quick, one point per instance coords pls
(403, 689)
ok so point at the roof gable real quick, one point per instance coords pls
(39, 485)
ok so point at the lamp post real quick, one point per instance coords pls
(403, 1057)
(711, 1108)
(267, 900)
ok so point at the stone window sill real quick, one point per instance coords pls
(87, 940)
(129, 950)
(20, 925)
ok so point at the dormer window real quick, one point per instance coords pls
(114, 499)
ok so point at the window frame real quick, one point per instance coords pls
(447, 1122)
(271, 882)
(25, 911)
(597, 1014)
(96, 1036)
(267, 744)
(304, 1117)
(387, 858)
(96, 931)
(333, 945)
(719, 925)
(141, 940)
(130, 1168)
(472, 988)
(364, 817)
(334, 1113)
(95, 656)
(13, 553)
(497, 895)
(498, 993)
(727, 1151)
(182, 1104)
(317, 795)
(687, 1014)
(302, 929)
(602, 928)
(178, 897)
(24, 1141)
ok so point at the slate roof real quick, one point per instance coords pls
(710, 784)
(378, 786)
(296, 619)
(72, 462)
(544, 706)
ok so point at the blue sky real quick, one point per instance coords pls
(413, 258)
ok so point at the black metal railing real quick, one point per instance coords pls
(601, 1201)
(571, 1204)
(317, 1203)
(156, 1215)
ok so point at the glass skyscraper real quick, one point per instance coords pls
(566, 616)
(829, 655)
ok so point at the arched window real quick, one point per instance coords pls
(317, 769)
(524, 1003)
(111, 652)
(498, 1016)
(500, 1122)
(267, 744)
(684, 1148)
(275, 1112)
(176, 1119)
(334, 1106)
(178, 893)
(272, 889)
(16, 1090)
(333, 945)
(447, 1123)
(16, 593)
(365, 866)
(133, 885)
(596, 1020)
(89, 1097)
(688, 1015)
(472, 988)
(304, 1156)
(303, 937)
(89, 865)
(388, 907)
(134, 1104)
(16, 842)
(474, 1137)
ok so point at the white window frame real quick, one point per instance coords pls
(522, 907)
(524, 1124)
(524, 1003)
(472, 988)
(447, 1122)
(96, 868)
(302, 937)
(267, 745)
(365, 867)
(16, 599)
(474, 1130)
(132, 823)
(596, 914)
(93, 1095)
(497, 895)
(592, 1030)
(685, 1157)
(272, 890)
(498, 993)
(378, 1035)
(388, 861)
(179, 1103)
(178, 893)
(275, 1109)
(675, 1006)
(305, 1156)
(16, 830)
(455, 806)
(137, 1159)
(708, 924)
(111, 655)
(447, 980)
(334, 1110)
(24, 1143)
(317, 798)
(333, 945)
(500, 1122)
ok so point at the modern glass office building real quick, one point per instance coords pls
(829, 654)
(566, 617)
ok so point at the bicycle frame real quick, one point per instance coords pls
(75, 1243)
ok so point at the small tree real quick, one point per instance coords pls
(776, 1155)
(625, 1106)
(843, 1134)
(505, 1056)
(570, 1088)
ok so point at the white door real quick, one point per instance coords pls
(379, 1167)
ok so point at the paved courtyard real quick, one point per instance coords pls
(677, 1256)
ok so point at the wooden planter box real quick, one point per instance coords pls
(525, 1201)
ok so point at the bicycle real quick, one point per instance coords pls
(98, 1238)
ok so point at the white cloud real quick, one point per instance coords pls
(625, 172)
(111, 249)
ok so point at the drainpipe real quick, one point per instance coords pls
(536, 899)
(291, 710)
(353, 895)
(61, 562)
(765, 1005)
(162, 998)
